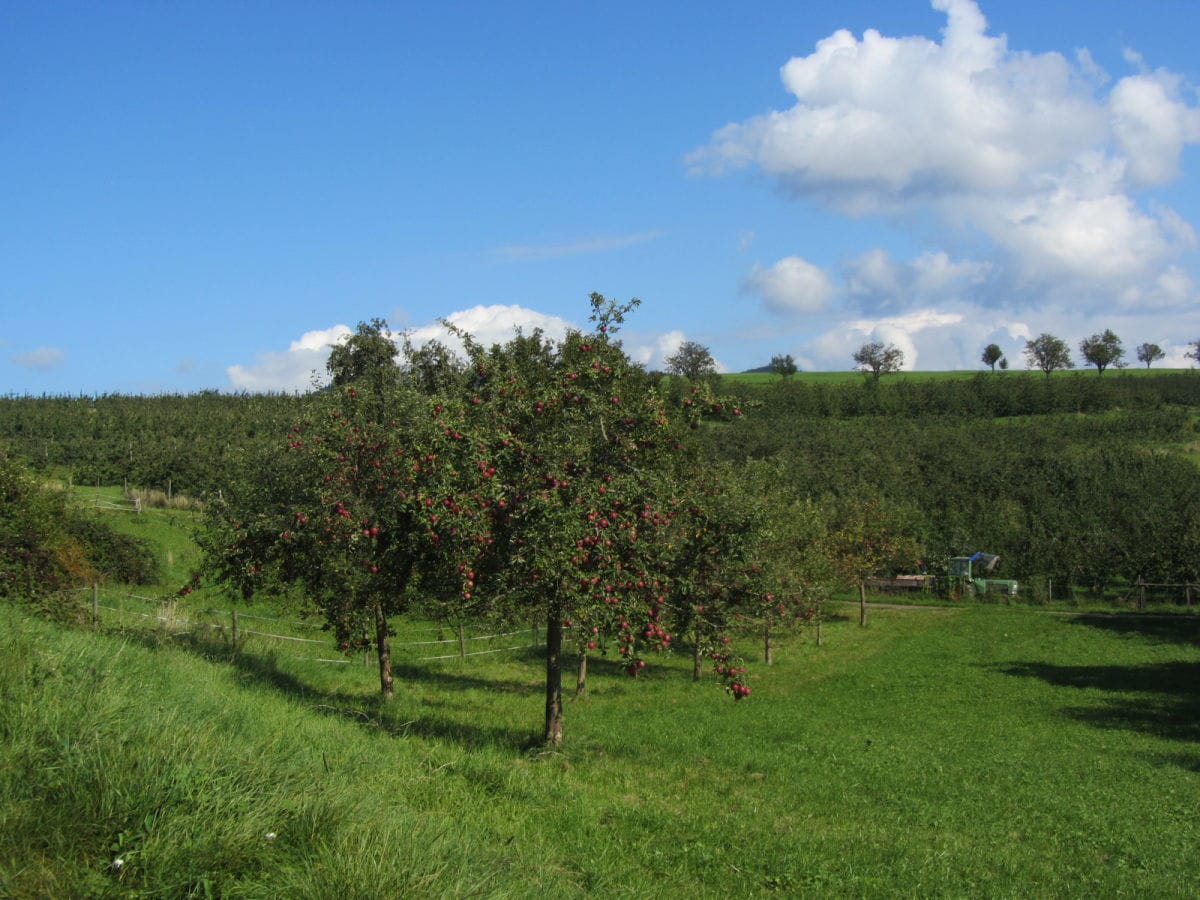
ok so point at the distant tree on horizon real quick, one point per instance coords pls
(1103, 350)
(783, 365)
(1149, 353)
(1048, 353)
(1194, 351)
(992, 354)
(875, 358)
(693, 361)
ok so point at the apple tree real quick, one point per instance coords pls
(792, 572)
(583, 451)
(344, 509)
(867, 537)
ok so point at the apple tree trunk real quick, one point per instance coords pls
(554, 700)
(384, 650)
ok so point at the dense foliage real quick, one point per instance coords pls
(1083, 500)
(47, 545)
(182, 443)
(1060, 475)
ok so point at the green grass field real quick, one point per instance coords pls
(985, 751)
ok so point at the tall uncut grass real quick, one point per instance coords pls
(984, 751)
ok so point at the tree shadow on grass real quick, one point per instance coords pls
(1161, 629)
(262, 670)
(1160, 699)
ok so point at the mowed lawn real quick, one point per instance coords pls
(984, 751)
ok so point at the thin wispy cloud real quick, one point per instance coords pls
(581, 247)
(42, 359)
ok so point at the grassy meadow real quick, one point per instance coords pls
(986, 750)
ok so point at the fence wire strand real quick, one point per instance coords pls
(193, 623)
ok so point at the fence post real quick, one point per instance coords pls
(1187, 590)
(234, 633)
(462, 641)
(95, 604)
(1141, 595)
(534, 629)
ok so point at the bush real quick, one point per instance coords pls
(47, 546)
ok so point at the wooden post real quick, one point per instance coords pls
(1187, 592)
(95, 605)
(233, 634)
(1141, 595)
(462, 641)
(581, 680)
(534, 628)
(862, 604)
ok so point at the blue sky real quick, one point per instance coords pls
(203, 195)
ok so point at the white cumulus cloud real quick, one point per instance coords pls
(1151, 124)
(1037, 153)
(490, 325)
(295, 369)
(792, 285)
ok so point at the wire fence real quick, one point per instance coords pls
(230, 625)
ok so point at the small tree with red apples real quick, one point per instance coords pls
(355, 511)
(586, 456)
